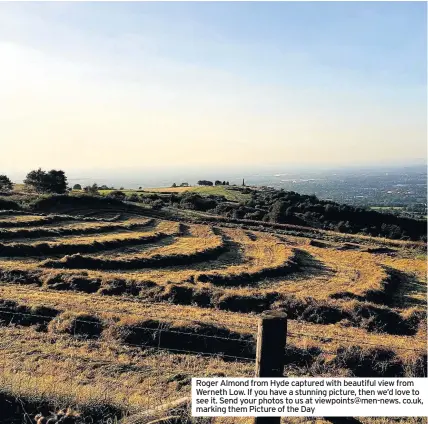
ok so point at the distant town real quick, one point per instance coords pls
(402, 191)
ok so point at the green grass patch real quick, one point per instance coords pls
(382, 208)
(229, 193)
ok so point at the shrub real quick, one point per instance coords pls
(117, 194)
(41, 181)
(5, 183)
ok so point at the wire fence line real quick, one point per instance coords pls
(339, 338)
(163, 328)
(146, 314)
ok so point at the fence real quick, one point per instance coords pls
(266, 352)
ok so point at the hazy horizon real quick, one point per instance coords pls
(114, 86)
(160, 177)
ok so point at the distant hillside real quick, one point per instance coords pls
(288, 207)
(234, 202)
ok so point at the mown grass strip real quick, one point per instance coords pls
(78, 261)
(96, 245)
(85, 229)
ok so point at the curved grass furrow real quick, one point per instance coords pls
(83, 228)
(85, 244)
(36, 220)
(9, 212)
(373, 318)
(24, 221)
(201, 245)
(196, 336)
(126, 312)
(263, 257)
(333, 273)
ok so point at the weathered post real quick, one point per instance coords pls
(271, 341)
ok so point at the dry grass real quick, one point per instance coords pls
(302, 334)
(199, 239)
(20, 218)
(69, 229)
(253, 271)
(168, 189)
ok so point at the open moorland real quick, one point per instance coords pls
(108, 312)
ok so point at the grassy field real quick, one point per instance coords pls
(109, 317)
(381, 208)
(228, 192)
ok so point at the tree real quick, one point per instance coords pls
(217, 182)
(56, 181)
(133, 197)
(278, 211)
(174, 185)
(5, 183)
(35, 180)
(157, 204)
(41, 181)
(93, 189)
(77, 187)
(205, 183)
(117, 194)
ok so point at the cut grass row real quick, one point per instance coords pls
(175, 334)
(89, 244)
(353, 313)
(199, 247)
(115, 309)
(74, 229)
(40, 220)
(325, 273)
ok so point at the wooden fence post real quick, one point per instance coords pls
(271, 341)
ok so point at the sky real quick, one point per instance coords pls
(102, 86)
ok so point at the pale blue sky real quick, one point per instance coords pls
(212, 83)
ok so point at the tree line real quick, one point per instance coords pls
(53, 181)
(210, 183)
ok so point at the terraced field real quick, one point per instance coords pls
(111, 314)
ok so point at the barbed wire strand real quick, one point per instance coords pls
(100, 324)
(165, 329)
